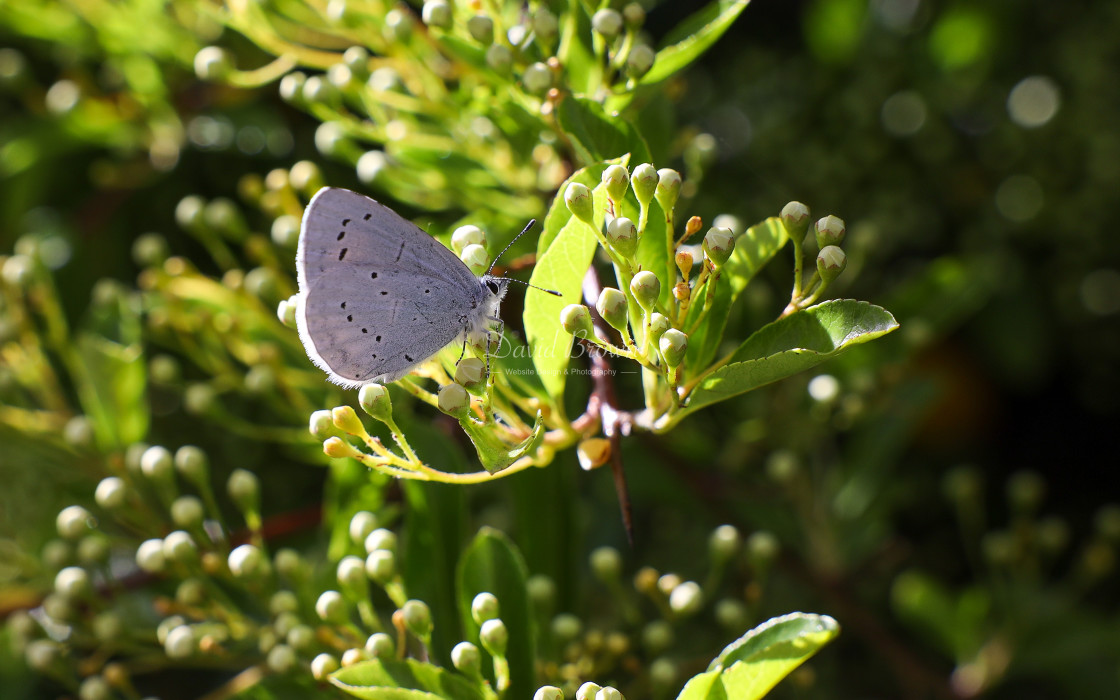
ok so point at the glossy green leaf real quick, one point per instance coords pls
(596, 136)
(753, 664)
(704, 686)
(753, 249)
(693, 37)
(566, 249)
(492, 564)
(407, 679)
(791, 345)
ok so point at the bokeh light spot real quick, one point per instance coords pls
(1033, 101)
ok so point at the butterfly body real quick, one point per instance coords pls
(379, 296)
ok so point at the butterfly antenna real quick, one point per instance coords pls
(528, 226)
(532, 222)
(539, 289)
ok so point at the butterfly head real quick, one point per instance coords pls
(497, 286)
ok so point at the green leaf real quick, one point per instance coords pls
(492, 564)
(754, 663)
(596, 136)
(704, 686)
(693, 37)
(111, 380)
(493, 452)
(753, 249)
(408, 679)
(564, 254)
(581, 68)
(793, 344)
(955, 622)
(432, 536)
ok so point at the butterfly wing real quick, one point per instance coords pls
(378, 295)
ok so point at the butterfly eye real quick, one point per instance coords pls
(494, 286)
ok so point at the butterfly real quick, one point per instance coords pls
(377, 295)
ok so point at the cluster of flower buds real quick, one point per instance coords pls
(829, 233)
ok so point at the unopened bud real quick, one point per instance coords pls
(795, 217)
(345, 418)
(684, 262)
(640, 60)
(576, 319)
(673, 345)
(381, 566)
(321, 425)
(286, 311)
(474, 256)
(454, 400)
(436, 13)
(718, 245)
(578, 199)
(616, 179)
(331, 607)
(634, 15)
(606, 564)
(537, 78)
(380, 646)
(374, 400)
(612, 307)
(494, 637)
(481, 28)
(244, 489)
(548, 692)
(607, 22)
(686, 598)
(212, 63)
(417, 618)
(499, 57)
(466, 658)
(658, 324)
(623, 236)
(668, 188)
(830, 231)
(545, 23)
(484, 607)
(587, 691)
(644, 181)
(324, 664)
(467, 235)
(830, 262)
(470, 372)
(646, 288)
(593, 453)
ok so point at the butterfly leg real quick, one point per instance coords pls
(463, 351)
(489, 333)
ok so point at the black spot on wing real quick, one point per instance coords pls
(345, 221)
(373, 275)
(367, 217)
(341, 235)
(342, 253)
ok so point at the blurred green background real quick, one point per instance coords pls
(952, 503)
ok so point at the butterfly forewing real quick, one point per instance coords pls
(379, 296)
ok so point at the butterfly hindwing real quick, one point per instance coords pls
(378, 295)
